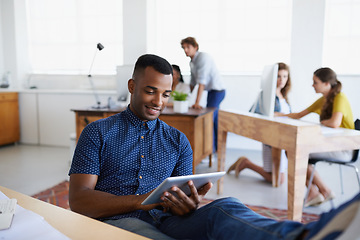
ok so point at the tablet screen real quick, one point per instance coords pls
(181, 182)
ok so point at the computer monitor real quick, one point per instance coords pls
(123, 74)
(265, 102)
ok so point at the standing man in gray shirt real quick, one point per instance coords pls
(205, 73)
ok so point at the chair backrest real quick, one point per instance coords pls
(356, 152)
(357, 124)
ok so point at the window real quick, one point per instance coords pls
(342, 36)
(241, 35)
(63, 35)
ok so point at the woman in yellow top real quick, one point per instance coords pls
(335, 111)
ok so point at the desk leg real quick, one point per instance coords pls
(297, 168)
(276, 158)
(222, 135)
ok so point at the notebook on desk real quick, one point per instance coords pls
(7, 210)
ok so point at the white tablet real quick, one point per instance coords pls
(181, 182)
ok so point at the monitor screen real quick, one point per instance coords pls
(124, 73)
(265, 102)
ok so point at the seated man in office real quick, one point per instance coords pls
(119, 160)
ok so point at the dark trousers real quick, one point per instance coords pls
(214, 99)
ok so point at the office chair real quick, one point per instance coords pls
(350, 163)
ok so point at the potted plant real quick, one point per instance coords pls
(181, 104)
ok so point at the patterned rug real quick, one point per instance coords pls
(59, 196)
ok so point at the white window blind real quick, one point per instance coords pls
(63, 35)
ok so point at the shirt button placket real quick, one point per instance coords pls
(142, 149)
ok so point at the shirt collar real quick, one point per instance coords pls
(136, 121)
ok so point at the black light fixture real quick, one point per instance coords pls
(99, 47)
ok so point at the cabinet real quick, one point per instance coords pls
(9, 118)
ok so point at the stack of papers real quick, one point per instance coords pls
(29, 225)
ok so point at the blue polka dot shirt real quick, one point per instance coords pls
(130, 156)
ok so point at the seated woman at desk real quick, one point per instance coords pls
(178, 83)
(335, 111)
(281, 105)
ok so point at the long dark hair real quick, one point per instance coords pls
(285, 90)
(177, 68)
(328, 75)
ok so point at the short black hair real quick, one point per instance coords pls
(160, 64)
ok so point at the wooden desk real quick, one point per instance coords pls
(297, 137)
(71, 224)
(196, 124)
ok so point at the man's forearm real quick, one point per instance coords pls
(97, 204)
(199, 93)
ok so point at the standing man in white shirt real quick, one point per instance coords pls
(205, 73)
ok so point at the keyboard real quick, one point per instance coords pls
(7, 210)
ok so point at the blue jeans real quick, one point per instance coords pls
(214, 98)
(228, 218)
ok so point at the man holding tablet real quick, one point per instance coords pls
(119, 160)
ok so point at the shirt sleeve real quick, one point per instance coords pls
(86, 158)
(202, 69)
(192, 76)
(316, 106)
(342, 104)
(185, 163)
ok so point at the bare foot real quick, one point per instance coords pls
(314, 192)
(327, 193)
(241, 165)
(232, 167)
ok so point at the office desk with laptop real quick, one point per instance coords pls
(196, 124)
(298, 138)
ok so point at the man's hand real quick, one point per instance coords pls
(147, 207)
(183, 204)
(197, 106)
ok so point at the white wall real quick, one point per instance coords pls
(135, 30)
(14, 41)
(306, 48)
